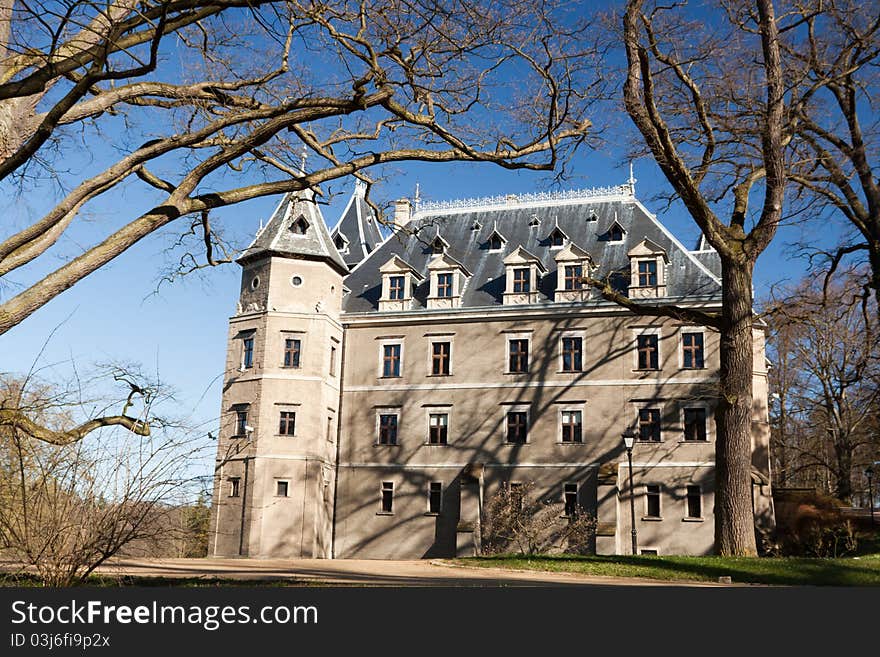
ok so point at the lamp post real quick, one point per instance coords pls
(869, 473)
(629, 439)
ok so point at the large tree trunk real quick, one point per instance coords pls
(843, 453)
(734, 516)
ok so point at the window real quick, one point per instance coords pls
(299, 226)
(521, 280)
(648, 351)
(332, 360)
(695, 424)
(557, 239)
(387, 499)
(571, 427)
(241, 422)
(444, 285)
(281, 488)
(287, 424)
(692, 350)
(247, 353)
(570, 496)
(647, 273)
(495, 242)
(573, 278)
(649, 425)
(518, 361)
(391, 360)
(437, 246)
(435, 497)
(396, 287)
(652, 501)
(330, 428)
(438, 424)
(517, 427)
(234, 487)
(387, 429)
(440, 357)
(694, 502)
(292, 352)
(572, 349)
(615, 234)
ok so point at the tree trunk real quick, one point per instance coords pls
(734, 515)
(843, 471)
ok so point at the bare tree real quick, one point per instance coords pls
(66, 508)
(357, 84)
(829, 348)
(709, 104)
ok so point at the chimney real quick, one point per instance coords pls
(402, 212)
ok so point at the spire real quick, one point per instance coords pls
(632, 180)
(357, 233)
(360, 188)
(302, 159)
(417, 199)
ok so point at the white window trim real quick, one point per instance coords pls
(386, 286)
(690, 329)
(569, 408)
(430, 365)
(381, 368)
(517, 336)
(577, 498)
(685, 516)
(571, 334)
(381, 511)
(648, 330)
(710, 433)
(428, 500)
(280, 480)
(660, 267)
(435, 283)
(437, 410)
(519, 408)
(389, 410)
(660, 406)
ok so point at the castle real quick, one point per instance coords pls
(379, 391)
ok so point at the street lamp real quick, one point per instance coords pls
(629, 439)
(869, 473)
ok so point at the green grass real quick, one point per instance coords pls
(100, 581)
(780, 571)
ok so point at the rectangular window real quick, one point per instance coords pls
(647, 273)
(517, 427)
(391, 360)
(332, 360)
(694, 502)
(437, 428)
(281, 488)
(573, 279)
(571, 427)
(570, 495)
(234, 487)
(435, 497)
(288, 423)
(444, 285)
(387, 500)
(692, 350)
(396, 287)
(330, 428)
(292, 351)
(572, 354)
(387, 429)
(652, 501)
(649, 425)
(241, 422)
(695, 424)
(648, 348)
(521, 280)
(247, 353)
(518, 361)
(440, 357)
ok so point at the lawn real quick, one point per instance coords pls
(786, 571)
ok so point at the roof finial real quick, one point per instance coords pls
(417, 198)
(302, 159)
(632, 180)
(360, 188)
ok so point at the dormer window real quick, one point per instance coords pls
(522, 270)
(437, 246)
(448, 280)
(534, 222)
(398, 281)
(496, 241)
(647, 271)
(557, 238)
(574, 265)
(476, 225)
(615, 233)
(592, 216)
(299, 226)
(341, 243)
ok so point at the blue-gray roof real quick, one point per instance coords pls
(585, 221)
(358, 229)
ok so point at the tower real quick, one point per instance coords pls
(276, 453)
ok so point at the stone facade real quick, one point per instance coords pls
(412, 408)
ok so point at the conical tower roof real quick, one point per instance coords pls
(357, 234)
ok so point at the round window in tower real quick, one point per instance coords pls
(296, 281)
(255, 282)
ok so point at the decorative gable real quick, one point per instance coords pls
(398, 281)
(557, 238)
(573, 264)
(496, 240)
(647, 267)
(615, 233)
(522, 271)
(438, 244)
(448, 280)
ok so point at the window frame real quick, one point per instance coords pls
(386, 486)
(509, 355)
(387, 412)
(241, 420)
(432, 485)
(234, 487)
(562, 353)
(432, 357)
(382, 346)
(287, 422)
(562, 425)
(334, 349)
(652, 407)
(688, 406)
(575, 280)
(648, 494)
(445, 285)
(642, 333)
(688, 330)
(644, 279)
(687, 502)
(278, 484)
(443, 436)
(393, 290)
(566, 492)
(297, 351)
(524, 284)
(247, 351)
(518, 410)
